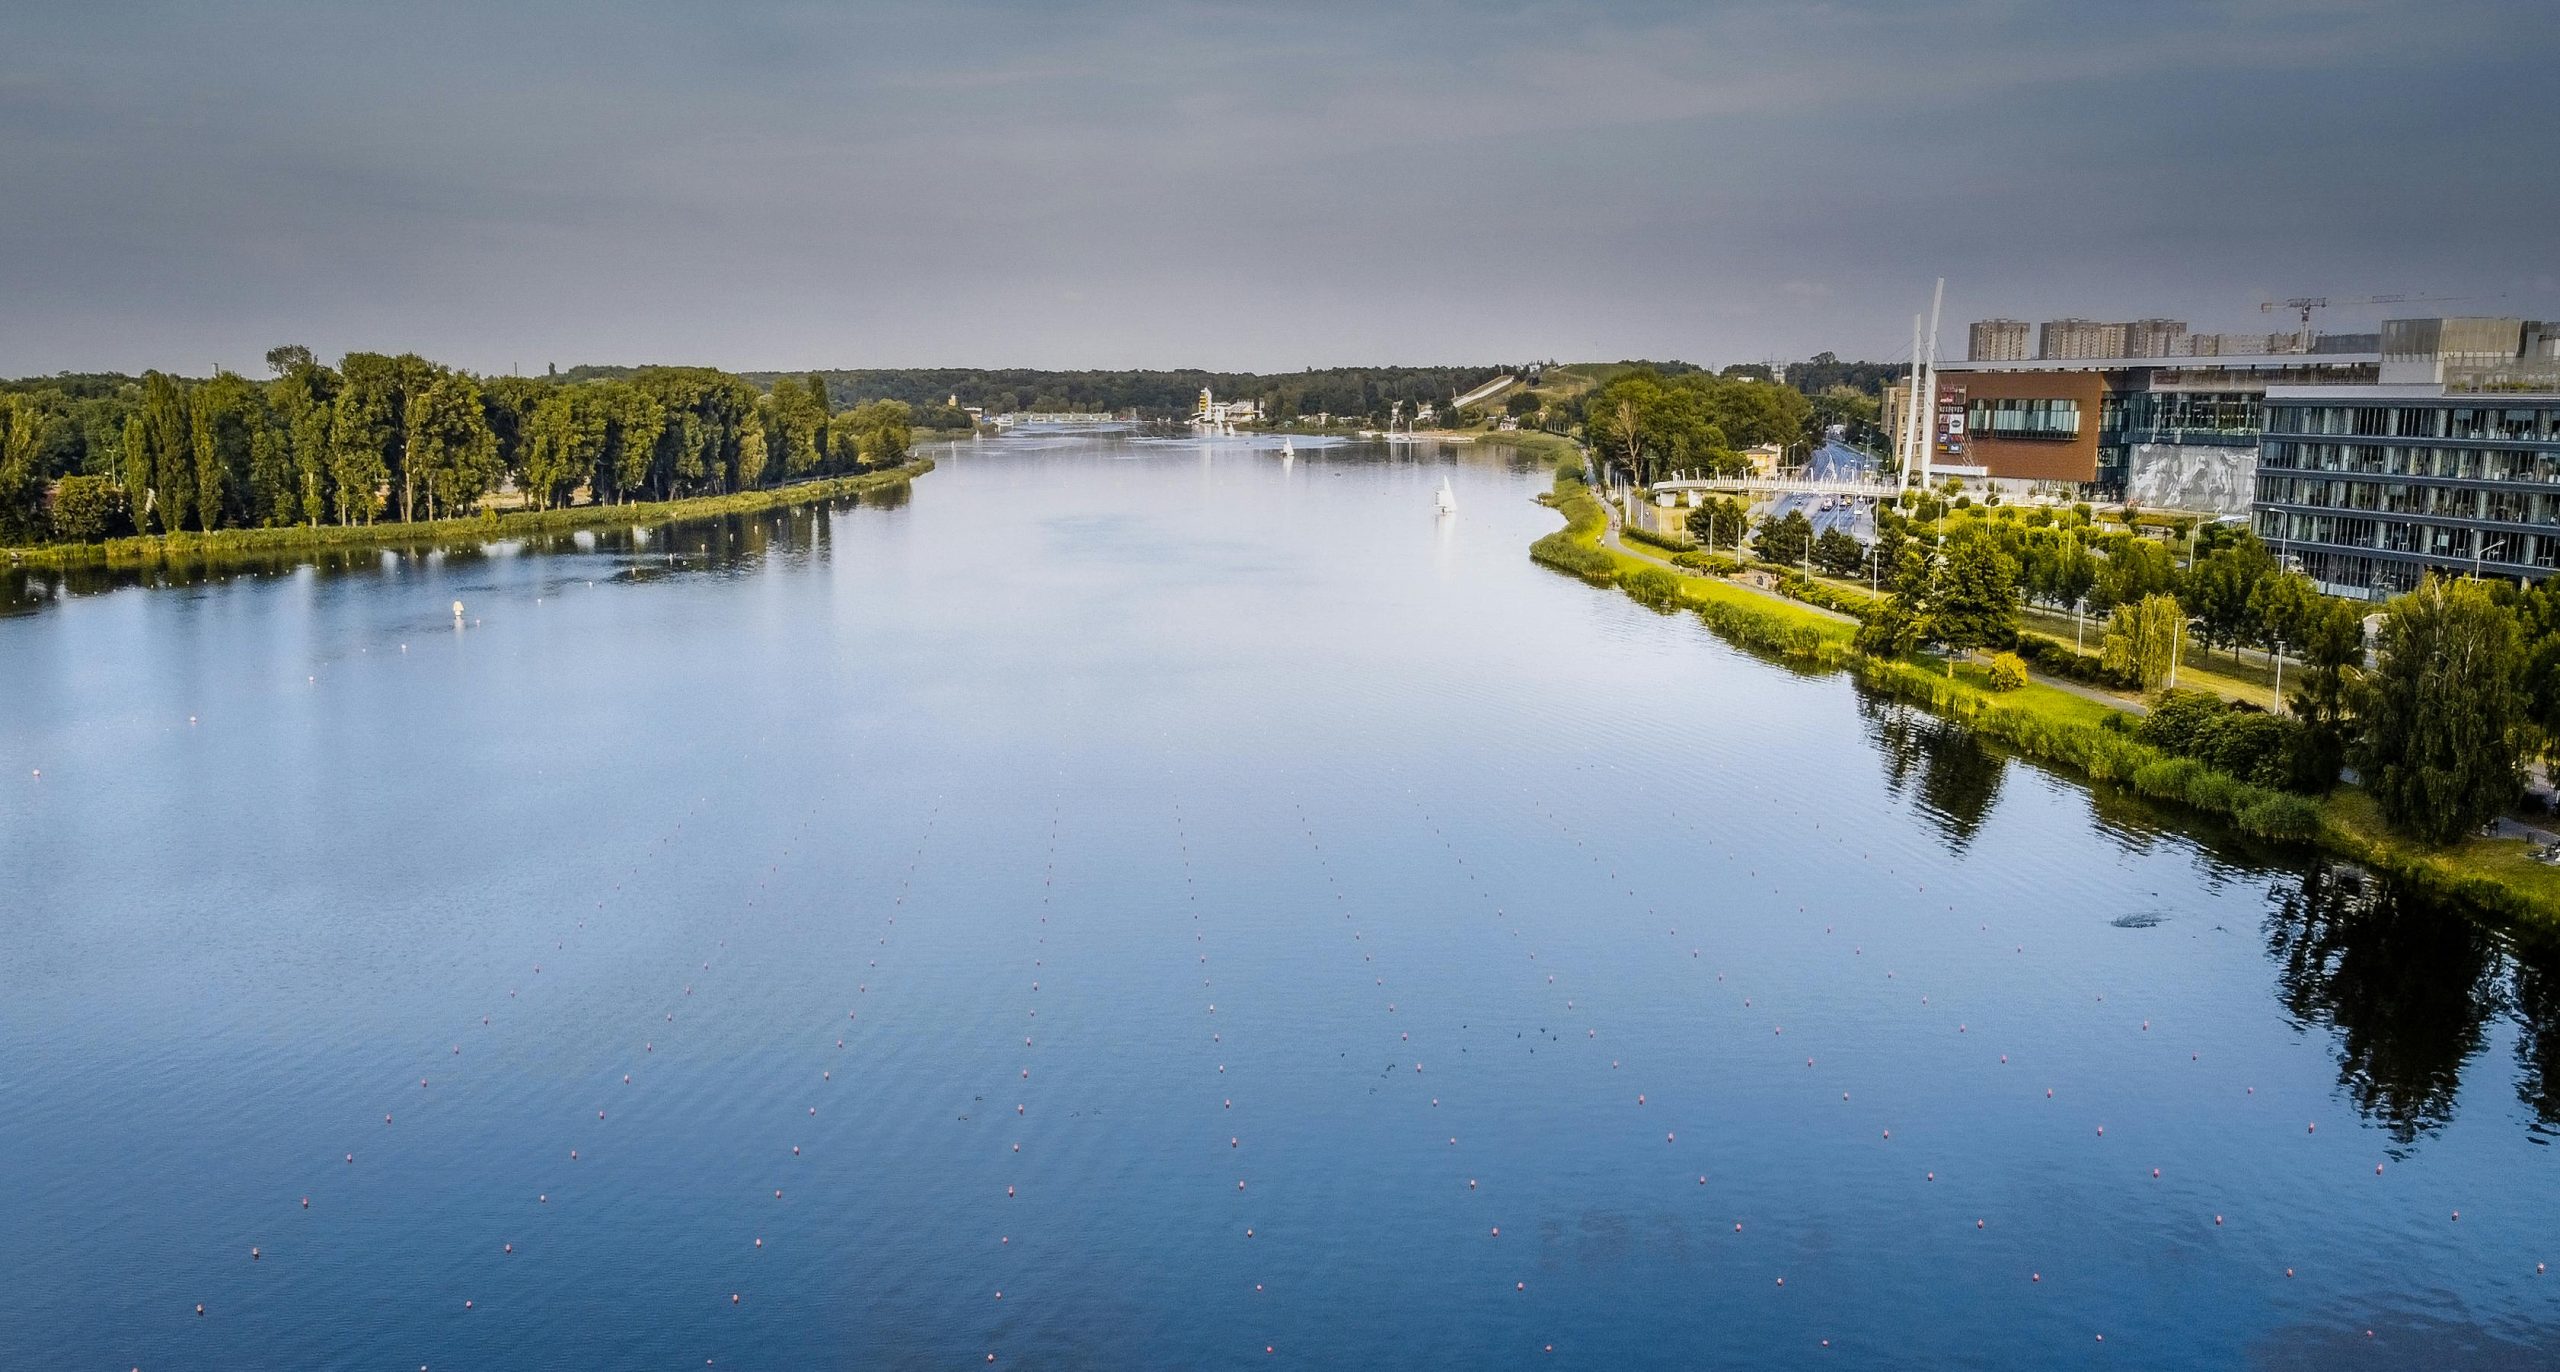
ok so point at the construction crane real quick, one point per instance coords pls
(2305, 304)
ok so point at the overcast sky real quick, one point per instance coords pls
(1252, 186)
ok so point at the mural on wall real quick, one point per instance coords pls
(2179, 476)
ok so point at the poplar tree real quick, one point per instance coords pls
(364, 426)
(451, 450)
(168, 444)
(25, 430)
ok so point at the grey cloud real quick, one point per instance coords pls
(770, 184)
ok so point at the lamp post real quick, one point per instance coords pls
(2478, 550)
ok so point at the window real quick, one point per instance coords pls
(2057, 420)
(2417, 423)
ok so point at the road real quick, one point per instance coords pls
(1834, 461)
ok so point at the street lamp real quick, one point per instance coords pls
(2479, 550)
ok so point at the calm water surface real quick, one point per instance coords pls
(1137, 905)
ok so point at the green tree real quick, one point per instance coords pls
(1904, 620)
(2056, 568)
(133, 468)
(302, 398)
(225, 418)
(1719, 522)
(2328, 634)
(881, 431)
(2281, 605)
(635, 421)
(1977, 600)
(1785, 540)
(452, 454)
(507, 404)
(2135, 567)
(2221, 583)
(167, 450)
(799, 428)
(1839, 553)
(2444, 711)
(564, 443)
(365, 429)
(25, 430)
(89, 509)
(2142, 641)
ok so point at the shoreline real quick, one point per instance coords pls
(152, 550)
(2495, 878)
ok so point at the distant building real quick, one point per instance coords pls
(1997, 340)
(1214, 412)
(2155, 338)
(1765, 458)
(2244, 344)
(2078, 339)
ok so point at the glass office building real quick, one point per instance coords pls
(2368, 488)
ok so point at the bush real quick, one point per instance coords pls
(2180, 721)
(2008, 672)
(1638, 534)
(2239, 741)
(1654, 587)
(90, 509)
(2060, 659)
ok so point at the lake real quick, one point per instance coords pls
(1147, 904)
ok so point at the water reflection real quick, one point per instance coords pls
(2409, 987)
(725, 542)
(2412, 991)
(2537, 1006)
(1957, 778)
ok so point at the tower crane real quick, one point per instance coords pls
(2305, 304)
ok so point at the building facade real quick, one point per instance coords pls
(2369, 488)
(2064, 340)
(2179, 433)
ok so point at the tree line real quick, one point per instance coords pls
(378, 437)
(1652, 423)
(2437, 707)
(1359, 394)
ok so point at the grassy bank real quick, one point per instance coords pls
(180, 547)
(2060, 728)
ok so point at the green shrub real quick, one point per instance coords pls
(2062, 660)
(1654, 587)
(90, 509)
(2180, 721)
(1639, 534)
(1795, 585)
(2008, 672)
(2237, 740)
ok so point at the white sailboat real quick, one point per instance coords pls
(1287, 448)
(1447, 499)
